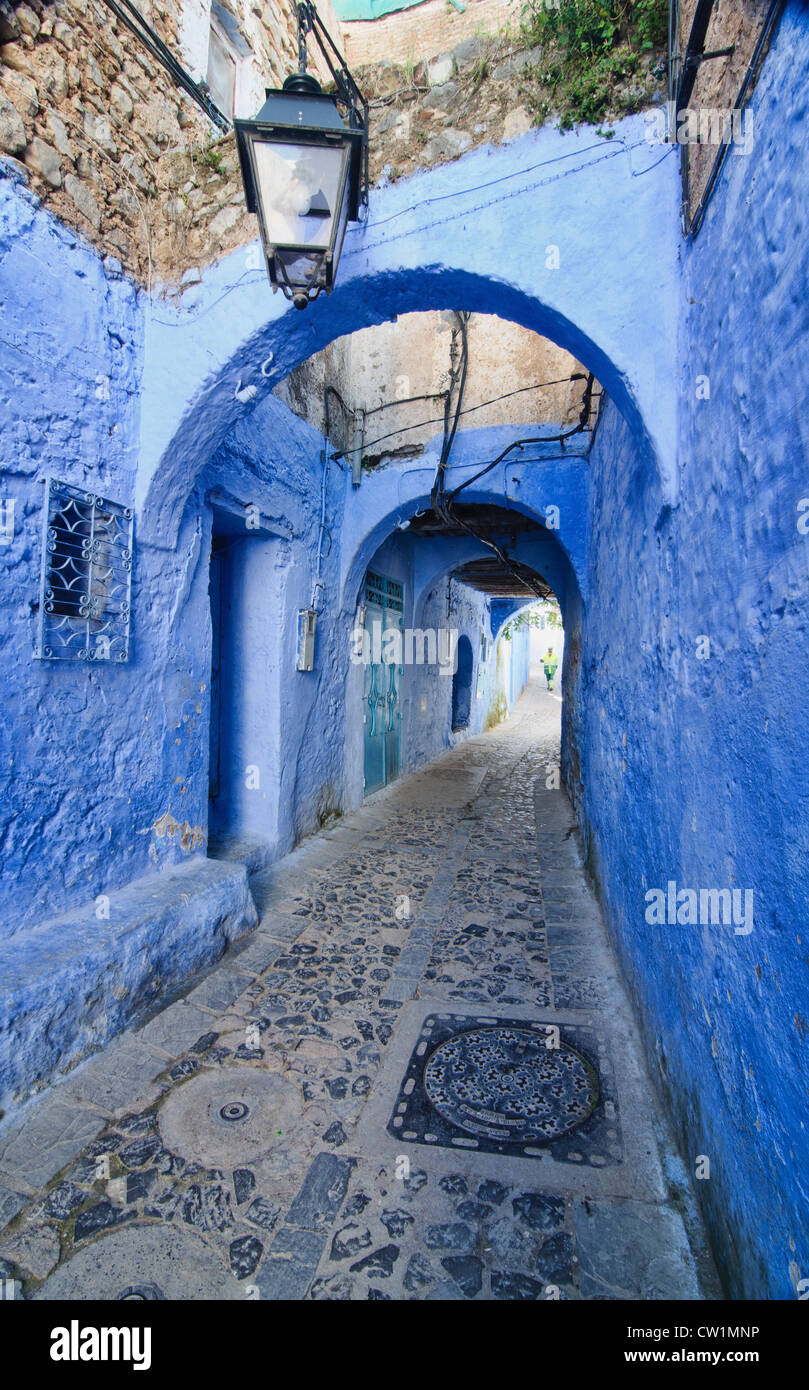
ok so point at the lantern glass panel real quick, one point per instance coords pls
(299, 186)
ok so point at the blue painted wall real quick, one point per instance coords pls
(692, 769)
(107, 781)
(70, 359)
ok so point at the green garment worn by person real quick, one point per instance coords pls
(550, 664)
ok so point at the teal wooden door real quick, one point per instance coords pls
(382, 682)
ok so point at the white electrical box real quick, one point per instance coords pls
(307, 622)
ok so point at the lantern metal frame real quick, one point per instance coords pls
(300, 113)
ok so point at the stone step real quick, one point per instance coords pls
(75, 982)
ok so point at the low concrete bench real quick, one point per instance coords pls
(70, 985)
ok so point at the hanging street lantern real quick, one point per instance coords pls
(304, 162)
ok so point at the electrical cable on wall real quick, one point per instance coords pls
(318, 582)
(467, 410)
(329, 390)
(442, 505)
(458, 377)
(584, 415)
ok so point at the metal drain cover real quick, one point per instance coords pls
(234, 1111)
(509, 1086)
(505, 1084)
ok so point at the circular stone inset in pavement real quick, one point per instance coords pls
(229, 1117)
(143, 1262)
(504, 1083)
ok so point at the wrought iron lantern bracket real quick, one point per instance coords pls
(304, 161)
(309, 22)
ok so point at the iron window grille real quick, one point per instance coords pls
(387, 593)
(86, 579)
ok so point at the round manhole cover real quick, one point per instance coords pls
(230, 1117)
(138, 1263)
(505, 1084)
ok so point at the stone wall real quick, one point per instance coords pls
(128, 160)
(112, 146)
(115, 150)
(411, 359)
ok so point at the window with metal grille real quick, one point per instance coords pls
(388, 593)
(85, 589)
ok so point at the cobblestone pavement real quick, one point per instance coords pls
(419, 1079)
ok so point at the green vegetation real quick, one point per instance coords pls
(546, 613)
(212, 158)
(480, 71)
(597, 26)
(593, 48)
(410, 67)
(329, 809)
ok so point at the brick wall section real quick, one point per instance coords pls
(426, 30)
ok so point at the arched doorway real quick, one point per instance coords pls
(462, 685)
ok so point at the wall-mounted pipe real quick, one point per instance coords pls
(357, 445)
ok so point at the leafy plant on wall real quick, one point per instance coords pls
(592, 49)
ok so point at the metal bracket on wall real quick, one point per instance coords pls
(357, 445)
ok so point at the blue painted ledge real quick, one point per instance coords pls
(71, 985)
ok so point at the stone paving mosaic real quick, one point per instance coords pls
(215, 1152)
(450, 1236)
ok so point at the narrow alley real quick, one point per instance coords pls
(276, 1134)
(404, 605)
